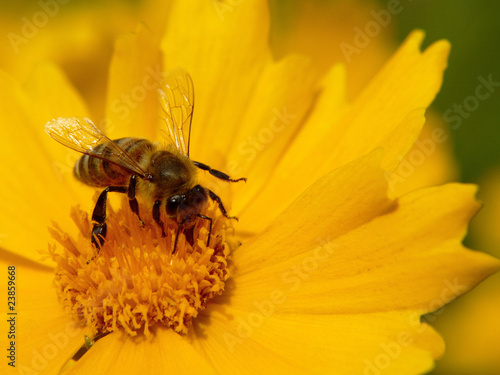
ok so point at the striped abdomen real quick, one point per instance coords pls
(101, 171)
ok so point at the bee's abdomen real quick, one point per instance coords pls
(103, 170)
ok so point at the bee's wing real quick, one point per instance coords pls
(80, 134)
(176, 95)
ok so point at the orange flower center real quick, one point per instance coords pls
(135, 282)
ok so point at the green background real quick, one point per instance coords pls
(473, 28)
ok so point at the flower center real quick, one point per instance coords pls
(135, 281)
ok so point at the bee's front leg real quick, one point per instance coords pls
(134, 205)
(222, 209)
(99, 230)
(216, 173)
(156, 217)
(209, 227)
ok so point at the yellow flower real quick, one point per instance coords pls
(333, 272)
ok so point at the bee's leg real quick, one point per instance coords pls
(156, 217)
(216, 173)
(99, 229)
(179, 228)
(217, 199)
(134, 205)
(209, 228)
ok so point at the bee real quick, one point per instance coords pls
(164, 176)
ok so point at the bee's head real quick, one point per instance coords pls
(187, 206)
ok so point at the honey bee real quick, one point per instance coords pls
(164, 176)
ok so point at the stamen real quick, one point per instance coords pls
(135, 282)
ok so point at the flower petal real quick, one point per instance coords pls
(334, 205)
(386, 101)
(260, 342)
(62, 101)
(165, 353)
(48, 95)
(38, 158)
(429, 162)
(222, 92)
(45, 335)
(274, 114)
(470, 325)
(386, 114)
(318, 126)
(134, 77)
(376, 267)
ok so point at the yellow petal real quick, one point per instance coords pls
(76, 38)
(274, 113)
(470, 325)
(165, 353)
(334, 205)
(39, 169)
(62, 101)
(386, 101)
(386, 114)
(45, 335)
(48, 94)
(259, 341)
(429, 162)
(346, 264)
(134, 77)
(318, 126)
(222, 91)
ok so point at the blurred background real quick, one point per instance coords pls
(79, 35)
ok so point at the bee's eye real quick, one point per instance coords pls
(173, 204)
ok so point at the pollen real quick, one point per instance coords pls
(135, 282)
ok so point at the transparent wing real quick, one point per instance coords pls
(176, 95)
(80, 134)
